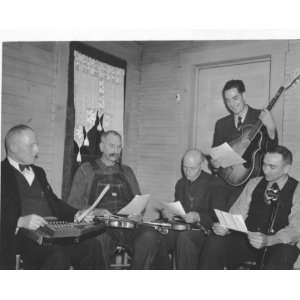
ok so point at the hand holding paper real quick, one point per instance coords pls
(226, 156)
(175, 208)
(92, 207)
(234, 222)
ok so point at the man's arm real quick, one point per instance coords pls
(241, 205)
(79, 194)
(129, 174)
(270, 128)
(61, 209)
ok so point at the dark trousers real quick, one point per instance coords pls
(84, 255)
(188, 249)
(185, 246)
(142, 243)
(232, 250)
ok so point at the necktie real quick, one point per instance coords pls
(239, 123)
(23, 167)
(272, 193)
(275, 187)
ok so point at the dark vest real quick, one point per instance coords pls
(33, 199)
(260, 212)
(119, 193)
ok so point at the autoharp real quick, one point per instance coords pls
(56, 231)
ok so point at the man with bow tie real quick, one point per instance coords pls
(270, 206)
(26, 199)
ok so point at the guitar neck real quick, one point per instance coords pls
(258, 125)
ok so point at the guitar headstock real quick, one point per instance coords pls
(292, 82)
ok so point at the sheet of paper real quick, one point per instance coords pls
(230, 221)
(226, 155)
(135, 206)
(175, 208)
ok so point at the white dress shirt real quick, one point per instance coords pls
(27, 173)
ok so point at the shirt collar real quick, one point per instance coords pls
(281, 182)
(242, 115)
(16, 164)
(13, 163)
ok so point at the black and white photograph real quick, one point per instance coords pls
(142, 155)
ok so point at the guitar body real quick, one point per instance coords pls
(251, 152)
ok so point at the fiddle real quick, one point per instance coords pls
(115, 221)
(164, 227)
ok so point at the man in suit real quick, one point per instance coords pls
(230, 127)
(26, 199)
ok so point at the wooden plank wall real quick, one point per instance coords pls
(132, 53)
(291, 124)
(34, 91)
(28, 83)
(34, 87)
(163, 134)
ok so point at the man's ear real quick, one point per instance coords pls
(101, 146)
(13, 147)
(287, 169)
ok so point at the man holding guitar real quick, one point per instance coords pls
(237, 129)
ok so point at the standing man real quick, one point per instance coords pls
(273, 222)
(230, 127)
(26, 199)
(91, 178)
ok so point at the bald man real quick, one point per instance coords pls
(192, 190)
(26, 199)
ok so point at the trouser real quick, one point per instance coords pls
(86, 254)
(185, 246)
(232, 250)
(188, 249)
(142, 243)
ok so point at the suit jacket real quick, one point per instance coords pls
(11, 210)
(225, 129)
(195, 196)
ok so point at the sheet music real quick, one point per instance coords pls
(135, 206)
(176, 208)
(230, 221)
(226, 156)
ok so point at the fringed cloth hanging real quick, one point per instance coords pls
(90, 76)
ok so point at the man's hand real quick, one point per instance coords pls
(267, 119)
(101, 212)
(167, 214)
(136, 218)
(218, 229)
(192, 217)
(258, 240)
(215, 163)
(89, 218)
(31, 222)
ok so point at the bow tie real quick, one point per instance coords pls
(23, 167)
(272, 193)
(239, 123)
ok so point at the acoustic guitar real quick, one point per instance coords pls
(249, 145)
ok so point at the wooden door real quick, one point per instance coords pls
(209, 104)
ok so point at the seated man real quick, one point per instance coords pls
(26, 198)
(91, 178)
(273, 222)
(192, 190)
